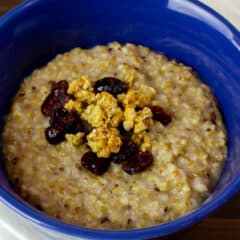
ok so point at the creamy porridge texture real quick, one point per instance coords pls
(187, 146)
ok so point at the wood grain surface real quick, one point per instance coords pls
(223, 224)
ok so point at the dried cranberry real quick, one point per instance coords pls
(118, 157)
(61, 86)
(160, 115)
(138, 163)
(96, 165)
(56, 99)
(68, 120)
(128, 149)
(55, 134)
(111, 85)
(62, 122)
(53, 102)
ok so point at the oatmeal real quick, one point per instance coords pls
(114, 137)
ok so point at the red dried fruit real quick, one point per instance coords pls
(118, 157)
(96, 165)
(111, 85)
(160, 115)
(69, 121)
(55, 134)
(138, 163)
(128, 149)
(56, 99)
(62, 122)
(61, 86)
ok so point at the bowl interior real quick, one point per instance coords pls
(38, 30)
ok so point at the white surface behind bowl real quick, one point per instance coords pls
(13, 227)
(230, 9)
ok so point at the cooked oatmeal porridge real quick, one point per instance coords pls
(114, 137)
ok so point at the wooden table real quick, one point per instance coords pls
(223, 224)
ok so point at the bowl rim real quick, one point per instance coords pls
(57, 226)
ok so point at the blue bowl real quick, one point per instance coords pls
(35, 31)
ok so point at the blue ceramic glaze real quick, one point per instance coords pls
(35, 31)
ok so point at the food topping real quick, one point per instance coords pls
(75, 139)
(138, 163)
(111, 85)
(74, 106)
(62, 122)
(110, 119)
(128, 149)
(103, 111)
(96, 165)
(104, 141)
(81, 89)
(69, 121)
(160, 115)
(139, 121)
(143, 120)
(55, 134)
(142, 140)
(139, 98)
(56, 99)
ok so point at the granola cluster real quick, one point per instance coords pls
(104, 114)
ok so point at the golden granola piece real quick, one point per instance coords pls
(94, 115)
(75, 139)
(104, 114)
(138, 121)
(129, 78)
(72, 106)
(81, 89)
(129, 116)
(143, 140)
(139, 98)
(85, 96)
(104, 111)
(79, 84)
(104, 141)
(106, 101)
(143, 120)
